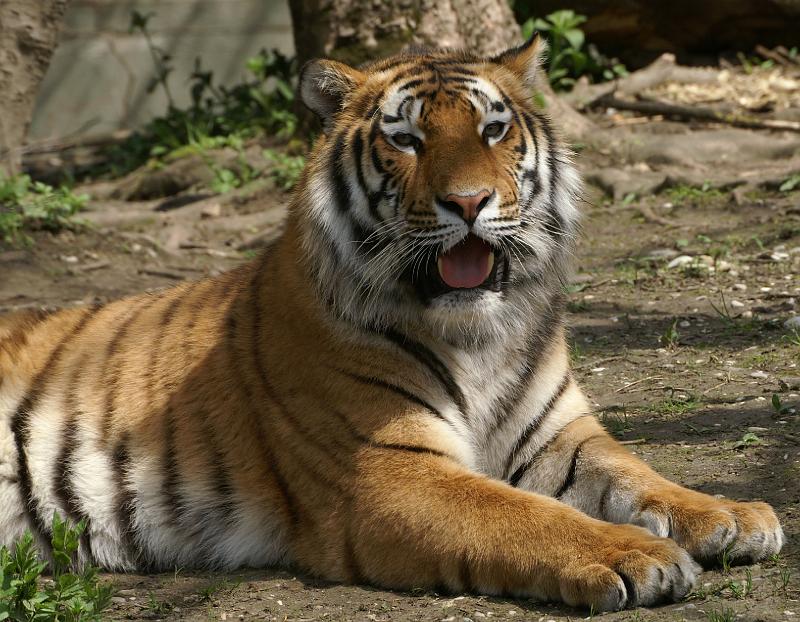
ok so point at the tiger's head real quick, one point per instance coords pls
(439, 197)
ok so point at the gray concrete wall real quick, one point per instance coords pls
(98, 78)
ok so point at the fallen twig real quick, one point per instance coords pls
(653, 107)
(634, 441)
(635, 382)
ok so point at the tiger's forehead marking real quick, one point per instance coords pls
(411, 95)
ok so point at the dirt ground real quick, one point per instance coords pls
(688, 269)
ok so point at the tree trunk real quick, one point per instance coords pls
(28, 37)
(355, 31)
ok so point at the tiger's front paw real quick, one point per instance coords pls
(627, 566)
(709, 527)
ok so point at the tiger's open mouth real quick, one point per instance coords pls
(469, 265)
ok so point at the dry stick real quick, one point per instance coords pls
(633, 441)
(635, 382)
(774, 56)
(653, 107)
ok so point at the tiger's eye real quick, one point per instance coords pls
(494, 129)
(403, 139)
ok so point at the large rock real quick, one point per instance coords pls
(638, 30)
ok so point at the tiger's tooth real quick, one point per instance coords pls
(439, 265)
(491, 264)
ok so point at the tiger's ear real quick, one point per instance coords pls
(524, 60)
(325, 84)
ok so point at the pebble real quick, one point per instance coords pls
(684, 324)
(118, 600)
(680, 261)
(597, 370)
(213, 210)
(759, 374)
(739, 287)
(737, 304)
(793, 323)
(755, 428)
(747, 314)
(69, 259)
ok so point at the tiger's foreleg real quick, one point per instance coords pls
(586, 468)
(418, 519)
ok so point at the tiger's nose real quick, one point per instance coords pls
(468, 206)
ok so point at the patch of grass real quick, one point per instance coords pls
(675, 406)
(721, 615)
(684, 193)
(287, 168)
(70, 595)
(27, 205)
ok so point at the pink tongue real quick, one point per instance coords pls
(467, 264)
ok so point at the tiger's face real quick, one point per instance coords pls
(439, 191)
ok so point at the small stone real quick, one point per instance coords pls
(755, 429)
(680, 261)
(213, 210)
(747, 314)
(765, 290)
(125, 592)
(759, 374)
(724, 266)
(793, 323)
(118, 600)
(737, 304)
(779, 256)
(69, 259)
(706, 260)
(598, 370)
(684, 324)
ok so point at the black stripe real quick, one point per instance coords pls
(377, 382)
(410, 448)
(601, 507)
(340, 190)
(332, 452)
(171, 480)
(436, 367)
(62, 482)
(21, 432)
(465, 574)
(534, 425)
(535, 349)
(114, 373)
(125, 502)
(569, 480)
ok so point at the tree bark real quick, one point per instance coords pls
(28, 37)
(356, 31)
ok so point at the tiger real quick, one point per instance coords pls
(384, 395)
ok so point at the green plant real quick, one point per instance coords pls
(785, 575)
(286, 168)
(616, 424)
(779, 407)
(723, 615)
(683, 193)
(791, 183)
(748, 440)
(260, 104)
(33, 205)
(669, 339)
(568, 60)
(70, 595)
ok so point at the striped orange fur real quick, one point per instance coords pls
(384, 396)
